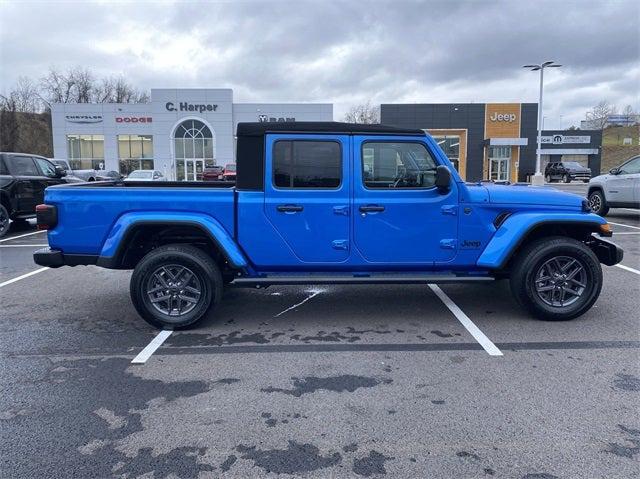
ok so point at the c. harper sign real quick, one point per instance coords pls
(185, 106)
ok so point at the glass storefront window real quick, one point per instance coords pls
(135, 152)
(450, 144)
(85, 152)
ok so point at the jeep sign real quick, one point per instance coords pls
(508, 117)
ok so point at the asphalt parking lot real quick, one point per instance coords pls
(332, 381)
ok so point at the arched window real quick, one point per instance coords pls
(194, 150)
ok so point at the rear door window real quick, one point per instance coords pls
(23, 166)
(307, 164)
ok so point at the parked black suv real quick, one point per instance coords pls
(566, 171)
(23, 179)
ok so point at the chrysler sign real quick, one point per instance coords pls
(83, 118)
(185, 106)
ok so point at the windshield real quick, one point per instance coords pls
(572, 164)
(141, 174)
(231, 167)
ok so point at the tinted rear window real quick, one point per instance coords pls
(307, 164)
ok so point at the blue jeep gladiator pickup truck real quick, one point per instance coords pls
(318, 203)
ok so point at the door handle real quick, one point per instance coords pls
(289, 208)
(371, 209)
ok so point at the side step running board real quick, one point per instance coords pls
(372, 279)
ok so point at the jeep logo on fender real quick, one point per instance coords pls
(133, 119)
(184, 106)
(473, 244)
(508, 117)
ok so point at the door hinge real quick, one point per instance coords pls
(341, 210)
(340, 244)
(448, 244)
(449, 210)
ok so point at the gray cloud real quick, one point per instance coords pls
(341, 52)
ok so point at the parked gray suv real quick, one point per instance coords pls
(618, 189)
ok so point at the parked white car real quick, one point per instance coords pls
(618, 189)
(145, 175)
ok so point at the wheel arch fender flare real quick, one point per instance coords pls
(115, 243)
(519, 226)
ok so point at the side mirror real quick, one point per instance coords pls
(443, 178)
(614, 171)
(60, 172)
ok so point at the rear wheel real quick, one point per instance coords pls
(174, 286)
(597, 203)
(556, 278)
(4, 221)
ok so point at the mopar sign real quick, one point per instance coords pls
(83, 118)
(565, 140)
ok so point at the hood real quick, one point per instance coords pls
(578, 168)
(532, 195)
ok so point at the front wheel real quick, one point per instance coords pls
(556, 278)
(548, 179)
(174, 286)
(566, 178)
(597, 203)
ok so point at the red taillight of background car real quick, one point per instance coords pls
(46, 217)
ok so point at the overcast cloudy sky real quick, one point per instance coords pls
(341, 52)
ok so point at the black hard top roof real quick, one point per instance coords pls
(259, 129)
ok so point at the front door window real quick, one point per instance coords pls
(499, 160)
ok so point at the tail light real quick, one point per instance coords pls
(46, 217)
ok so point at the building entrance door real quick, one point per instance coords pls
(499, 160)
(193, 168)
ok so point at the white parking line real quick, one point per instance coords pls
(5, 283)
(479, 336)
(313, 295)
(151, 347)
(622, 224)
(22, 236)
(616, 233)
(22, 245)
(626, 268)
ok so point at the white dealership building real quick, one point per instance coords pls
(179, 132)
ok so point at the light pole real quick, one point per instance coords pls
(537, 179)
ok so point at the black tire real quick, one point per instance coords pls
(204, 276)
(528, 267)
(548, 179)
(597, 203)
(4, 221)
(566, 178)
(585, 181)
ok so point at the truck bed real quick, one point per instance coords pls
(87, 212)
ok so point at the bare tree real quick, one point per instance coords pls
(628, 111)
(599, 114)
(58, 86)
(26, 96)
(363, 113)
(8, 124)
(83, 85)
